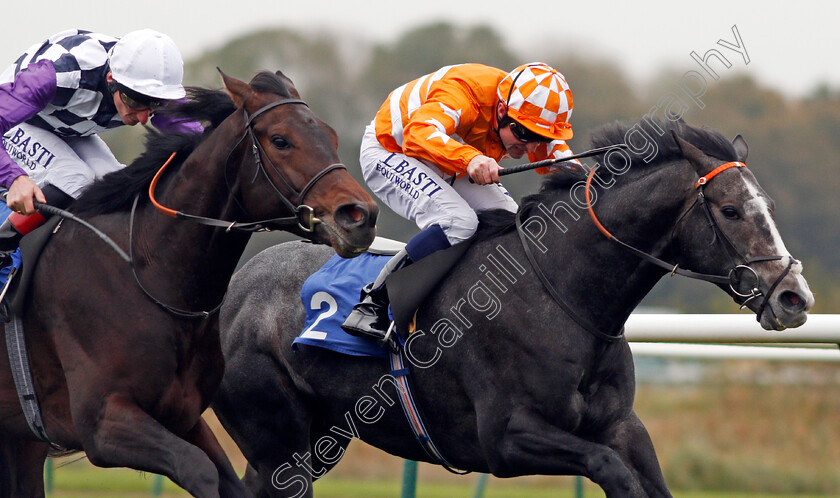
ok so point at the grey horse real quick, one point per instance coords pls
(514, 373)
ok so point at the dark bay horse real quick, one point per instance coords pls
(509, 381)
(126, 359)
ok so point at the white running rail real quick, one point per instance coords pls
(707, 336)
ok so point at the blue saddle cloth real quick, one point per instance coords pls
(16, 258)
(329, 295)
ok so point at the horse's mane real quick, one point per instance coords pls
(116, 191)
(661, 135)
(657, 133)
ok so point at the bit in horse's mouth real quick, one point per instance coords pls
(350, 248)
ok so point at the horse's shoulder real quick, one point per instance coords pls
(284, 260)
(265, 292)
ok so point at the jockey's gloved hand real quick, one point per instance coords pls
(571, 168)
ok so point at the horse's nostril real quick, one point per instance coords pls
(351, 215)
(792, 301)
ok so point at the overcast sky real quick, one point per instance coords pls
(791, 46)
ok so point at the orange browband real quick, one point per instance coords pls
(711, 174)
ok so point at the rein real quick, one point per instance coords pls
(171, 309)
(552, 291)
(733, 278)
(672, 268)
(303, 215)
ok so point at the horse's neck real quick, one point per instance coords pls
(206, 257)
(597, 276)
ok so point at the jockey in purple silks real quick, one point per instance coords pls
(56, 98)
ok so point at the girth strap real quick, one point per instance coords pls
(400, 372)
(22, 375)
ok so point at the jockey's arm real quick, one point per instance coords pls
(428, 137)
(29, 93)
(167, 122)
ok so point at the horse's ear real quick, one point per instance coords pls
(239, 91)
(741, 147)
(289, 85)
(701, 162)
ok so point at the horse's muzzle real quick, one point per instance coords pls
(351, 228)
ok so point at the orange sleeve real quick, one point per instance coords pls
(429, 133)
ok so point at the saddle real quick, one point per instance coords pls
(31, 246)
(409, 287)
(11, 311)
(329, 294)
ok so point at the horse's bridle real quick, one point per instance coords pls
(740, 264)
(303, 215)
(258, 151)
(733, 279)
(302, 212)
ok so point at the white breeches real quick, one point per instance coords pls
(68, 163)
(421, 192)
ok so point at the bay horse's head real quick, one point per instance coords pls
(293, 168)
(733, 215)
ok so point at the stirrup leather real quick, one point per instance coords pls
(390, 340)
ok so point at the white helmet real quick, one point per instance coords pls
(149, 63)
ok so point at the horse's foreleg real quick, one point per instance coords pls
(631, 441)
(229, 483)
(530, 445)
(126, 436)
(22, 467)
(276, 444)
(272, 431)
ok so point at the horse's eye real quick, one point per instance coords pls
(730, 213)
(279, 142)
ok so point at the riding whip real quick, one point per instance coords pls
(70, 216)
(555, 160)
(65, 214)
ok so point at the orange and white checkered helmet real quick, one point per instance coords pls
(539, 98)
